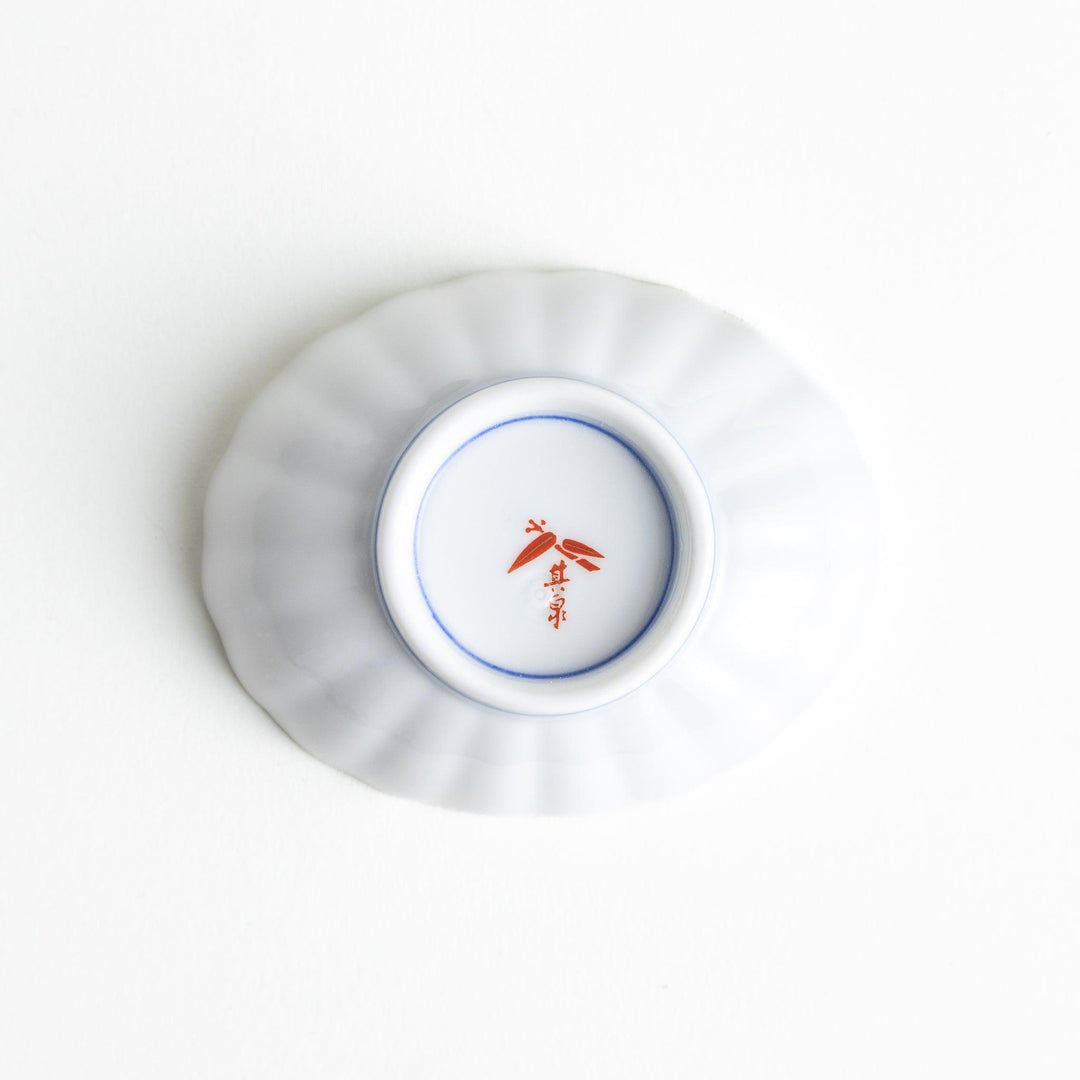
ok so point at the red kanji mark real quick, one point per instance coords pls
(557, 614)
(574, 550)
(558, 576)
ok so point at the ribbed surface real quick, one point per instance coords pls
(289, 515)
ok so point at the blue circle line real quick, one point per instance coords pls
(671, 537)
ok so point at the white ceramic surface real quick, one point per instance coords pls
(572, 629)
(711, 510)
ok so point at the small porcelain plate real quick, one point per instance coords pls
(537, 542)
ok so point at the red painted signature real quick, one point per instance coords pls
(574, 550)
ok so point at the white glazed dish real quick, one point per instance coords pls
(362, 527)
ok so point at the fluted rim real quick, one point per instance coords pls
(290, 514)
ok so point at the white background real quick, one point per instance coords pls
(190, 192)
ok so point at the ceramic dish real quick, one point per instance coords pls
(537, 542)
